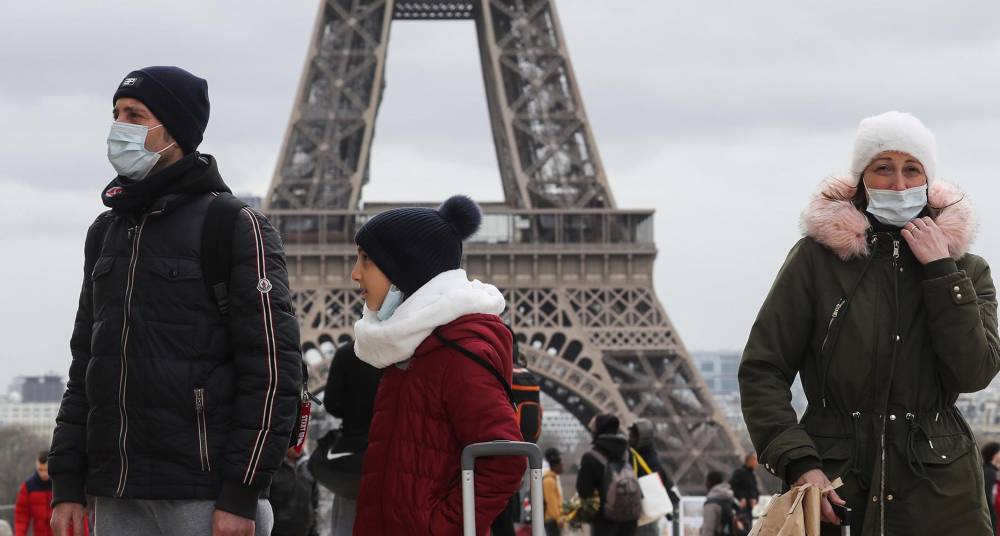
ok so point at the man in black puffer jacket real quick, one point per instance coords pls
(176, 413)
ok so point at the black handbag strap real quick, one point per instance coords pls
(482, 362)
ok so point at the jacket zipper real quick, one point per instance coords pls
(895, 345)
(199, 406)
(135, 235)
(833, 317)
(829, 328)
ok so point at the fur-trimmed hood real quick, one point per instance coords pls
(832, 219)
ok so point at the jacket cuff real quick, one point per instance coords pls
(799, 467)
(940, 268)
(238, 499)
(68, 487)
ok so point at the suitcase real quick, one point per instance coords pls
(502, 448)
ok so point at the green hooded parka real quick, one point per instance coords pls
(884, 346)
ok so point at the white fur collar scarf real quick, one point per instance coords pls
(447, 297)
(832, 219)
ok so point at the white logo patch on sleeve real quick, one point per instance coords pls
(264, 286)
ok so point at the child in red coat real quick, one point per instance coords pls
(422, 314)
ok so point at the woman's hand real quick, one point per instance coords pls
(818, 478)
(927, 241)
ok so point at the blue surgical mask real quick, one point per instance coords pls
(127, 150)
(896, 208)
(390, 303)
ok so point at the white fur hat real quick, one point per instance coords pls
(894, 131)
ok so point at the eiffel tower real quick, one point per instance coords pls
(575, 269)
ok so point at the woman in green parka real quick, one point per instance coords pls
(887, 318)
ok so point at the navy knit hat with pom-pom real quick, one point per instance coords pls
(413, 245)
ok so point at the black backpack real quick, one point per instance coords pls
(727, 518)
(216, 247)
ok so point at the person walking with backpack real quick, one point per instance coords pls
(718, 515)
(183, 390)
(887, 317)
(446, 361)
(606, 470)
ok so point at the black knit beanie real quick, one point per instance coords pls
(413, 245)
(178, 98)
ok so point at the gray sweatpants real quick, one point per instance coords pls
(127, 517)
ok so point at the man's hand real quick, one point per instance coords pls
(818, 478)
(927, 241)
(67, 519)
(226, 524)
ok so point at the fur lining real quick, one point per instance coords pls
(831, 218)
(447, 297)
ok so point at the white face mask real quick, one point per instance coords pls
(127, 150)
(390, 303)
(896, 208)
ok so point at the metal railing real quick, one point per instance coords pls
(506, 226)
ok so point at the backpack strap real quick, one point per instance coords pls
(638, 461)
(92, 248)
(601, 459)
(217, 247)
(482, 362)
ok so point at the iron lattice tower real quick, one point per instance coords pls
(576, 271)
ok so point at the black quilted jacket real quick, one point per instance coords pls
(166, 399)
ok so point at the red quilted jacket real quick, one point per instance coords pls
(426, 411)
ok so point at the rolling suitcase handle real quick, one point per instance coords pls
(502, 448)
(845, 522)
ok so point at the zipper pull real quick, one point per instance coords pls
(895, 249)
(199, 400)
(131, 232)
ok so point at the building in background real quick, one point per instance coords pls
(720, 369)
(48, 388)
(33, 401)
(253, 201)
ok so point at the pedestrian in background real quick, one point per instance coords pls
(552, 493)
(887, 317)
(990, 452)
(447, 365)
(32, 509)
(609, 452)
(718, 514)
(744, 484)
(641, 438)
(350, 396)
(294, 497)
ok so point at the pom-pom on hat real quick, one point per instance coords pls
(413, 245)
(893, 131)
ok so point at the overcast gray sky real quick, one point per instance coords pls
(722, 118)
